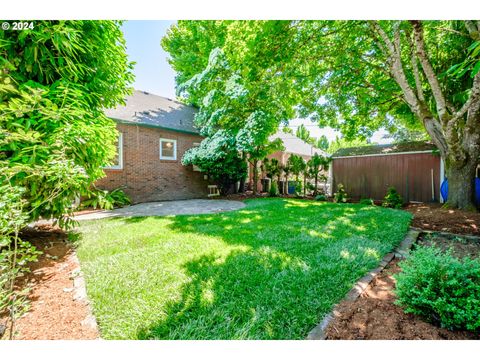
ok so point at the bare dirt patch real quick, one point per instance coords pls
(375, 316)
(53, 314)
(434, 217)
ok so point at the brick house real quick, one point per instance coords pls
(155, 132)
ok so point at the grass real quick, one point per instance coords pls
(269, 271)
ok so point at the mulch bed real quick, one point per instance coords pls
(434, 217)
(375, 316)
(53, 314)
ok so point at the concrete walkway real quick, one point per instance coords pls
(163, 208)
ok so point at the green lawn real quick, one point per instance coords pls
(269, 271)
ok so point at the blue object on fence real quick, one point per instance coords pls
(444, 190)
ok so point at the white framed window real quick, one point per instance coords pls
(168, 149)
(117, 163)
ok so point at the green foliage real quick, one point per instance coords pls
(271, 167)
(296, 164)
(298, 189)
(367, 202)
(341, 142)
(321, 143)
(104, 199)
(320, 197)
(392, 199)
(207, 272)
(441, 288)
(316, 165)
(273, 191)
(470, 64)
(55, 81)
(229, 69)
(304, 134)
(340, 196)
(216, 156)
(15, 255)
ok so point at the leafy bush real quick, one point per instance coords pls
(107, 200)
(218, 158)
(320, 197)
(273, 191)
(340, 195)
(367, 202)
(392, 199)
(15, 254)
(441, 288)
(298, 188)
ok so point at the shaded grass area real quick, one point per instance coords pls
(271, 270)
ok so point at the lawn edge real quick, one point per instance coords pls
(401, 251)
(80, 295)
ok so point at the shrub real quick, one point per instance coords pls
(273, 191)
(298, 188)
(367, 202)
(441, 288)
(340, 195)
(320, 197)
(107, 200)
(392, 199)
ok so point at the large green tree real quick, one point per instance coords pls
(234, 80)
(55, 82)
(372, 74)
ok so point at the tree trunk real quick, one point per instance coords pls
(255, 177)
(315, 192)
(304, 185)
(461, 185)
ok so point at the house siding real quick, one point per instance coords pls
(144, 177)
(370, 176)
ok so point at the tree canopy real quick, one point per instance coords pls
(354, 76)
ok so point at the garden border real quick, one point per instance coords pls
(318, 332)
(80, 295)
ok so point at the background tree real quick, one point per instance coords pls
(55, 81)
(272, 168)
(316, 165)
(236, 82)
(398, 71)
(296, 165)
(304, 134)
(321, 143)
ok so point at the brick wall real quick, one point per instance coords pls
(146, 177)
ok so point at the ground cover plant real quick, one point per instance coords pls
(441, 288)
(269, 271)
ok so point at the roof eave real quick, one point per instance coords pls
(126, 122)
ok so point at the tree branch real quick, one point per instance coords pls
(428, 70)
(418, 107)
(473, 29)
(416, 72)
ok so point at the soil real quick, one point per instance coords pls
(434, 217)
(460, 246)
(374, 316)
(53, 314)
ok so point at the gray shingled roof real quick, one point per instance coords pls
(295, 145)
(146, 109)
(411, 146)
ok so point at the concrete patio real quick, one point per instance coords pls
(164, 208)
